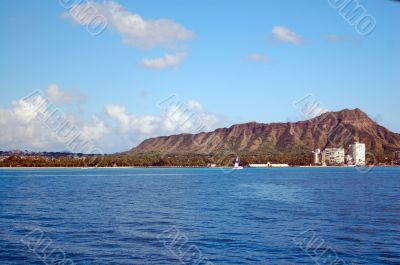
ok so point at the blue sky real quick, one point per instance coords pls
(225, 59)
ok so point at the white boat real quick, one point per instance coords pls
(236, 166)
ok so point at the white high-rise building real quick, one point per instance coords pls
(357, 153)
(317, 156)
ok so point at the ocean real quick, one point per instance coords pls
(200, 216)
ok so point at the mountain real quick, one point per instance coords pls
(331, 129)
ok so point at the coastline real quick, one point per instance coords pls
(182, 167)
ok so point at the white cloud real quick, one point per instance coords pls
(25, 111)
(129, 123)
(195, 105)
(167, 61)
(188, 117)
(283, 34)
(119, 113)
(135, 30)
(337, 38)
(256, 57)
(36, 123)
(95, 131)
(19, 128)
(56, 95)
(22, 126)
(179, 118)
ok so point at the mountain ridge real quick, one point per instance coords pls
(330, 129)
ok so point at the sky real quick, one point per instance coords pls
(124, 71)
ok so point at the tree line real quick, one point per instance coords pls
(153, 160)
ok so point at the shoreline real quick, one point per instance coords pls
(178, 167)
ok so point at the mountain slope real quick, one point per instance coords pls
(331, 129)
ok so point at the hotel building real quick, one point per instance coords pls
(333, 156)
(357, 154)
(317, 157)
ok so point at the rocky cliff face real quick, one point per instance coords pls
(331, 129)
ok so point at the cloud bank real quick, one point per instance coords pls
(115, 129)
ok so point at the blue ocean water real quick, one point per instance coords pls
(200, 216)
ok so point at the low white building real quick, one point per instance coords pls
(268, 165)
(333, 156)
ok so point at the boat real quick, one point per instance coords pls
(236, 166)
